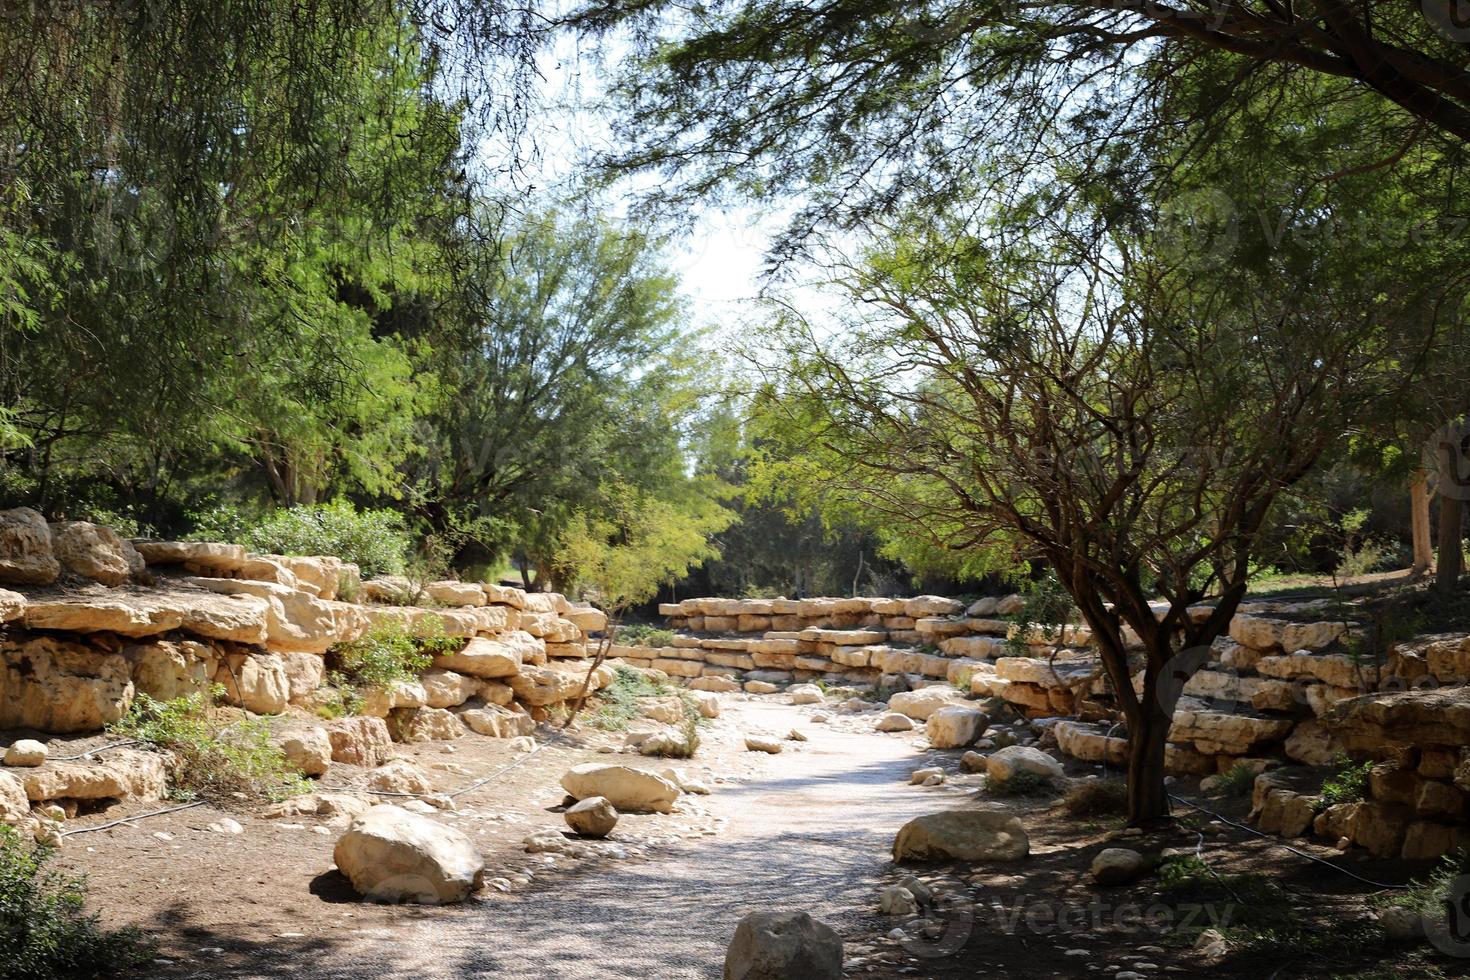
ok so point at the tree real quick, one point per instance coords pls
(639, 543)
(566, 368)
(1096, 403)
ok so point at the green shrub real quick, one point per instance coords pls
(1021, 783)
(391, 652)
(213, 758)
(45, 931)
(1237, 780)
(376, 540)
(617, 704)
(1348, 785)
(645, 635)
(1097, 798)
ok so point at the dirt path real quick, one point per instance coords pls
(811, 831)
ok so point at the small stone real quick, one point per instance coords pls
(26, 752)
(892, 721)
(592, 817)
(935, 780)
(795, 736)
(1117, 866)
(226, 826)
(972, 762)
(918, 776)
(897, 900)
(757, 743)
(1401, 924)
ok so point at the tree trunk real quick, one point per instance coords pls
(1148, 798)
(1451, 558)
(1419, 513)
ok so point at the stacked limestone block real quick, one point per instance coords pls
(1418, 742)
(91, 620)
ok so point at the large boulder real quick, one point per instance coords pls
(920, 704)
(955, 727)
(447, 689)
(423, 725)
(296, 620)
(485, 656)
(392, 855)
(806, 694)
(27, 551)
(254, 681)
(494, 721)
(360, 741)
(310, 751)
(962, 835)
(54, 686)
(783, 946)
(118, 775)
(628, 789)
(96, 552)
(555, 683)
(401, 776)
(165, 669)
(1005, 763)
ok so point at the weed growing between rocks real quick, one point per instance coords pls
(645, 635)
(45, 931)
(618, 702)
(1348, 785)
(390, 653)
(1237, 780)
(213, 757)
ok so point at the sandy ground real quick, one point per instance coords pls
(809, 829)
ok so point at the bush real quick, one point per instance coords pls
(644, 635)
(1238, 780)
(1021, 783)
(213, 758)
(1097, 798)
(1349, 785)
(376, 540)
(618, 702)
(45, 931)
(391, 652)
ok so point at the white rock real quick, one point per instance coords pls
(919, 775)
(892, 721)
(962, 835)
(391, 855)
(806, 694)
(955, 727)
(1005, 763)
(628, 789)
(920, 704)
(759, 743)
(226, 826)
(26, 752)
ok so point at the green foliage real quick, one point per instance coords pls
(390, 652)
(1237, 780)
(373, 539)
(617, 704)
(1097, 798)
(638, 543)
(1428, 896)
(1021, 783)
(212, 757)
(1348, 785)
(645, 635)
(45, 930)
